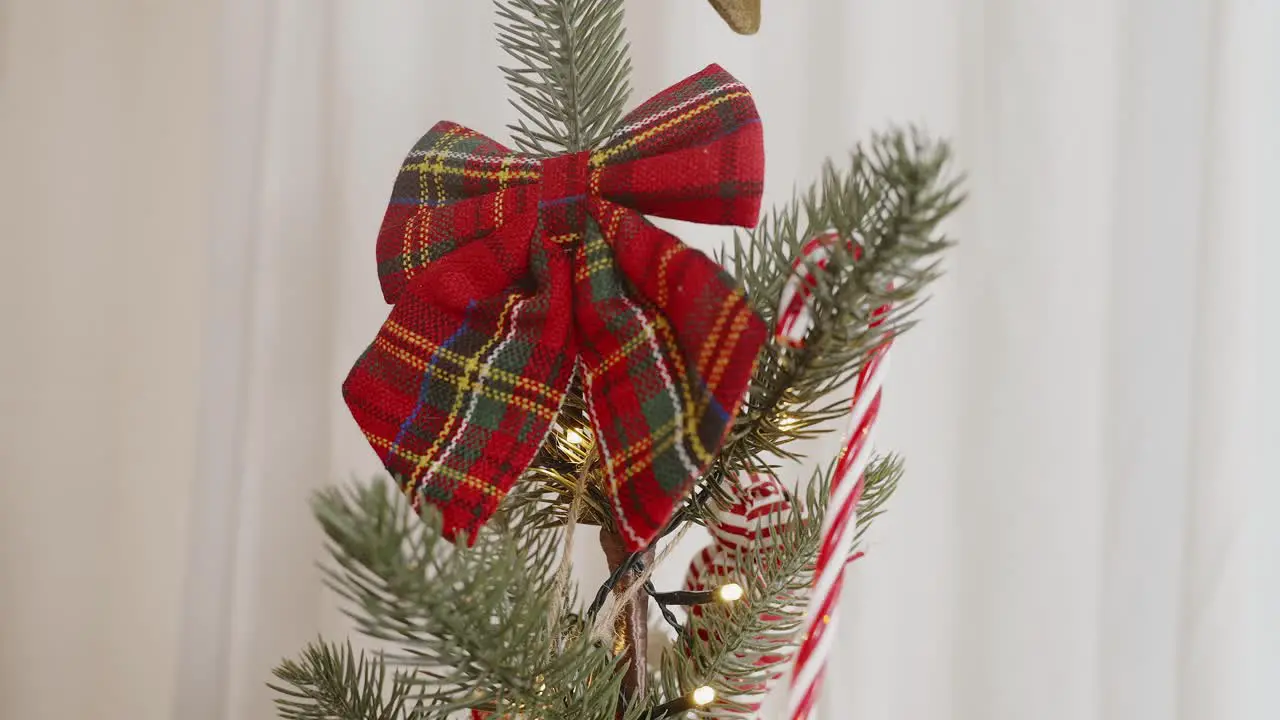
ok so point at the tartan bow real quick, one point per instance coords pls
(500, 291)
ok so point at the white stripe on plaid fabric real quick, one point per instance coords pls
(669, 385)
(631, 128)
(482, 377)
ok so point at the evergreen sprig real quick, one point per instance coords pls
(881, 481)
(571, 77)
(470, 626)
(727, 647)
(459, 647)
(888, 203)
(333, 683)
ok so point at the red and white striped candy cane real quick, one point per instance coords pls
(794, 318)
(839, 525)
(760, 501)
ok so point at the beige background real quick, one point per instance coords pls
(190, 194)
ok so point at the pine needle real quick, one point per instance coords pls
(571, 72)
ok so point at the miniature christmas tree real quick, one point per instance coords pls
(552, 359)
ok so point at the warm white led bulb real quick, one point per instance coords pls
(787, 423)
(704, 696)
(730, 592)
(573, 437)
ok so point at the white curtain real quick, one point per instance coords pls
(190, 195)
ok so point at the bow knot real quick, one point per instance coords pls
(501, 296)
(563, 204)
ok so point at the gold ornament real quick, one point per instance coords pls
(742, 15)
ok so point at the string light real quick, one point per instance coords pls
(704, 696)
(699, 698)
(729, 592)
(573, 437)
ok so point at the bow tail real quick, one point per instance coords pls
(668, 345)
(459, 388)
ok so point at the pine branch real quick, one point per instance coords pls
(571, 77)
(889, 202)
(333, 683)
(719, 648)
(880, 483)
(471, 624)
(329, 682)
(723, 647)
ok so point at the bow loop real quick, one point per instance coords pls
(500, 293)
(452, 163)
(703, 107)
(454, 186)
(704, 130)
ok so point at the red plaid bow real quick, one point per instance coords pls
(499, 292)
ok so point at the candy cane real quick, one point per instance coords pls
(838, 526)
(747, 523)
(794, 316)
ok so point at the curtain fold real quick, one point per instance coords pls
(103, 225)
(187, 272)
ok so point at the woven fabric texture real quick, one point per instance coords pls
(509, 273)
